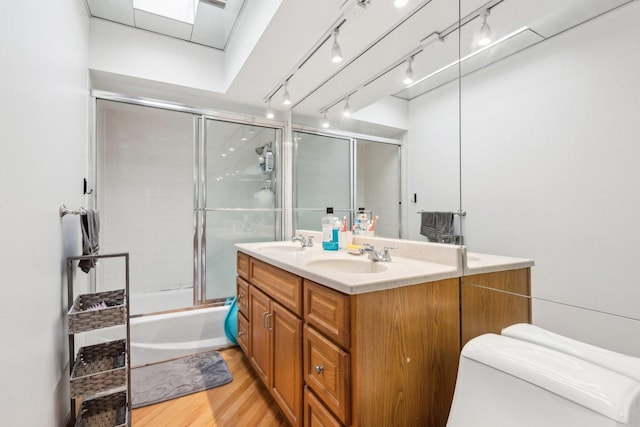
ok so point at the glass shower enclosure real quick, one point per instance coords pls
(177, 189)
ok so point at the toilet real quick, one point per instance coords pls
(620, 363)
(503, 381)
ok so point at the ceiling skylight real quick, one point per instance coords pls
(179, 10)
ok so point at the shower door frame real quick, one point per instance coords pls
(200, 117)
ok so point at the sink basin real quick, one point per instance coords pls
(347, 266)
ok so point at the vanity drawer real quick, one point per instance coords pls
(284, 287)
(315, 414)
(328, 311)
(327, 373)
(243, 333)
(242, 265)
(242, 297)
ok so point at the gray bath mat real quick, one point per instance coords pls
(167, 380)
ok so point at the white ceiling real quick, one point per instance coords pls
(212, 24)
(296, 45)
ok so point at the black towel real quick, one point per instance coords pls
(90, 227)
(438, 227)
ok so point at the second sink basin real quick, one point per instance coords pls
(347, 266)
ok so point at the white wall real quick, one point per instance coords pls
(43, 152)
(128, 51)
(549, 172)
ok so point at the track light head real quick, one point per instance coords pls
(408, 74)
(336, 52)
(346, 111)
(484, 35)
(325, 122)
(286, 98)
(270, 113)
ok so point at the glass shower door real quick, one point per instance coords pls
(145, 178)
(242, 198)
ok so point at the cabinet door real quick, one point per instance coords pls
(242, 293)
(315, 414)
(327, 373)
(243, 334)
(286, 382)
(260, 348)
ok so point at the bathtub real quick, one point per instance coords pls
(159, 337)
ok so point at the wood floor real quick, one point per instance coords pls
(244, 402)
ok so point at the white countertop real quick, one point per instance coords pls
(411, 263)
(399, 272)
(477, 263)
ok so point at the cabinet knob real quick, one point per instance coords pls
(240, 296)
(319, 369)
(241, 333)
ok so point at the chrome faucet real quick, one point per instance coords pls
(307, 241)
(375, 255)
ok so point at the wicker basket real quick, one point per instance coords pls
(82, 318)
(105, 411)
(99, 368)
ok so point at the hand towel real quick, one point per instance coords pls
(90, 227)
(437, 226)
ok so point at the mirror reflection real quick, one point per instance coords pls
(535, 143)
(350, 175)
(547, 135)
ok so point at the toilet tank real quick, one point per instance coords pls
(625, 365)
(508, 382)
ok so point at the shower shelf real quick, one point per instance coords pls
(100, 374)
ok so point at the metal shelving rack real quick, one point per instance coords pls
(100, 374)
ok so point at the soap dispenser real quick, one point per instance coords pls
(268, 160)
(330, 229)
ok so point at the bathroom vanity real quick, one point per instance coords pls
(340, 340)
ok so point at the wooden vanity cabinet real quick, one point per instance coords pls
(388, 357)
(275, 335)
(383, 358)
(493, 301)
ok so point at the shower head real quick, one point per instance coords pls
(259, 150)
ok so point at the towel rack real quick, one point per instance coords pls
(458, 212)
(66, 211)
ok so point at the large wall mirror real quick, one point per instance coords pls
(532, 134)
(548, 142)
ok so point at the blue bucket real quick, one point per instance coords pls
(231, 322)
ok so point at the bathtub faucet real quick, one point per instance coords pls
(307, 241)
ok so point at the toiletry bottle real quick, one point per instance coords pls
(261, 163)
(330, 229)
(268, 161)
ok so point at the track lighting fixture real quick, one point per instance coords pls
(346, 111)
(400, 3)
(325, 122)
(336, 52)
(286, 98)
(484, 35)
(408, 74)
(270, 113)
